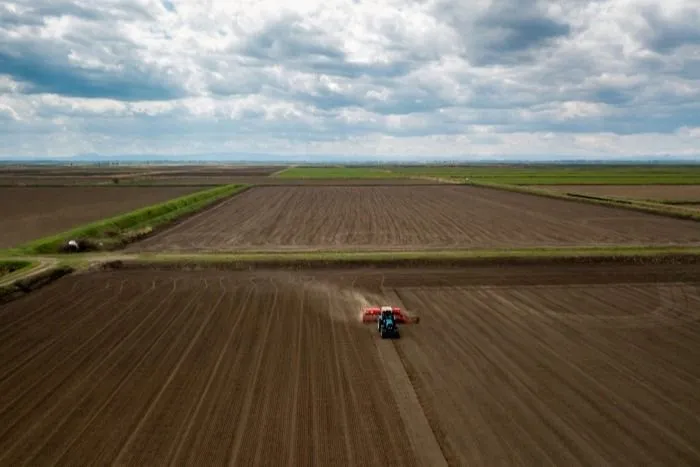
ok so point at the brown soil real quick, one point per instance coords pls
(419, 217)
(194, 179)
(28, 213)
(552, 375)
(267, 368)
(50, 181)
(274, 181)
(660, 192)
(157, 175)
(168, 368)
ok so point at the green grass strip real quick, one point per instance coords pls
(676, 202)
(12, 266)
(564, 174)
(123, 228)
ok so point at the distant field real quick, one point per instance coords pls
(566, 175)
(224, 173)
(215, 171)
(67, 180)
(338, 172)
(651, 192)
(406, 218)
(28, 213)
(519, 175)
(142, 175)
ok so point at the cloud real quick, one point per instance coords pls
(581, 77)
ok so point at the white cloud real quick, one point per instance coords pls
(440, 77)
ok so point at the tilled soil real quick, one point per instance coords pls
(193, 179)
(554, 375)
(415, 217)
(150, 368)
(660, 192)
(27, 213)
(268, 367)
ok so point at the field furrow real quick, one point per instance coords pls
(416, 217)
(515, 355)
(273, 367)
(42, 211)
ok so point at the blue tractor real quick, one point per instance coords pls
(386, 324)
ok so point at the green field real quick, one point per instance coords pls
(517, 174)
(566, 175)
(9, 266)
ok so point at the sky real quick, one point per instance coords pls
(379, 78)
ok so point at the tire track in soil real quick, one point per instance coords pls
(293, 419)
(484, 410)
(217, 418)
(624, 412)
(140, 447)
(418, 428)
(34, 340)
(242, 420)
(122, 409)
(179, 445)
(400, 217)
(26, 373)
(72, 394)
(338, 378)
(351, 377)
(269, 413)
(68, 401)
(657, 416)
(83, 407)
(14, 320)
(275, 410)
(48, 388)
(527, 397)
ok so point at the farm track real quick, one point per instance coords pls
(416, 217)
(37, 212)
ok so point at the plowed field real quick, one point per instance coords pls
(416, 217)
(28, 213)
(660, 192)
(192, 179)
(145, 174)
(150, 367)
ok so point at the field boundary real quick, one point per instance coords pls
(117, 231)
(633, 205)
(35, 279)
(12, 268)
(58, 265)
(419, 431)
(391, 260)
(675, 202)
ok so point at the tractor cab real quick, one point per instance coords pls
(387, 312)
(386, 324)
